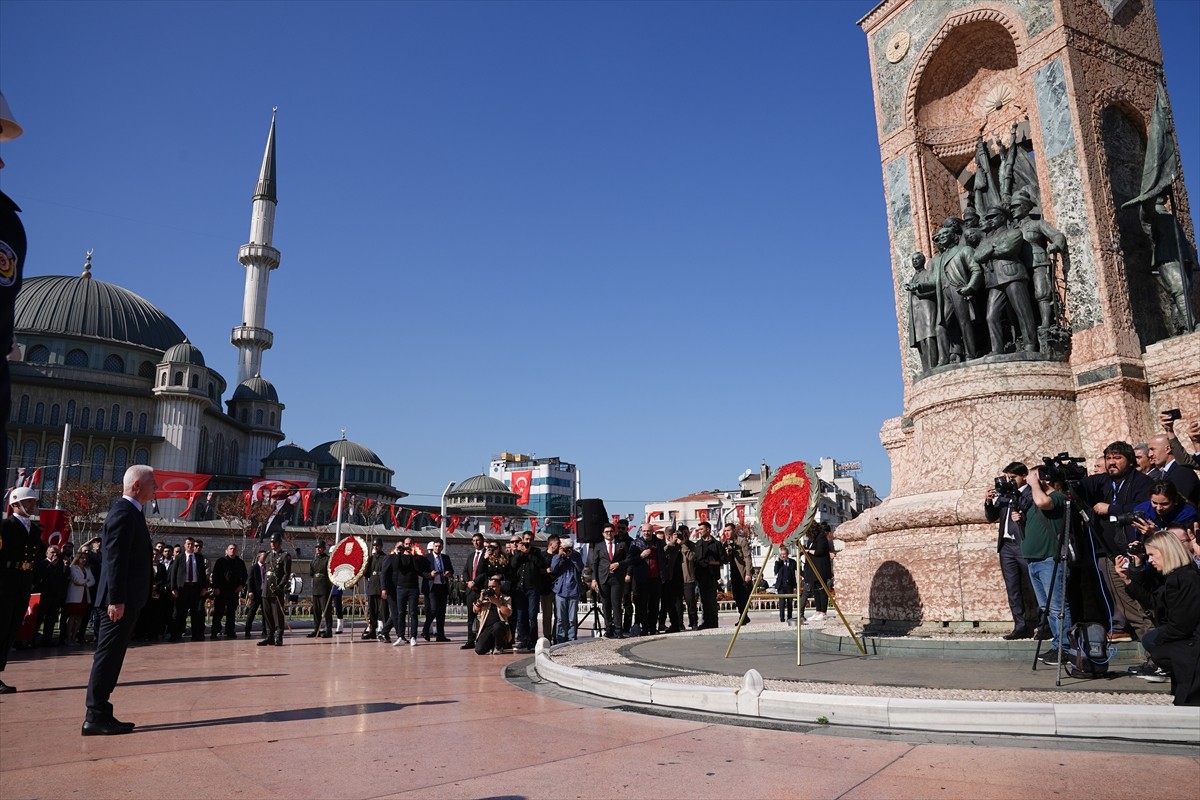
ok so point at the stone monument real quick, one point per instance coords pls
(1014, 132)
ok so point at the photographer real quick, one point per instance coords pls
(741, 567)
(1165, 509)
(687, 563)
(566, 570)
(646, 566)
(709, 557)
(1174, 644)
(1007, 503)
(672, 580)
(1112, 497)
(1044, 527)
(493, 610)
(529, 566)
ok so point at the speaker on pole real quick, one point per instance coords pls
(590, 519)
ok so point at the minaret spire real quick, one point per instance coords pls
(259, 257)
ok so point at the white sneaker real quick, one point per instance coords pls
(399, 641)
(412, 642)
(818, 617)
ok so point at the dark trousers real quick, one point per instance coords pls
(273, 615)
(528, 603)
(626, 607)
(786, 604)
(495, 635)
(740, 588)
(647, 597)
(322, 609)
(611, 594)
(690, 596)
(252, 610)
(375, 607)
(112, 641)
(225, 608)
(13, 605)
(472, 618)
(406, 610)
(187, 604)
(48, 614)
(1015, 570)
(672, 604)
(707, 586)
(435, 612)
(393, 613)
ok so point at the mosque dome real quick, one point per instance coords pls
(479, 484)
(289, 452)
(185, 352)
(256, 389)
(82, 307)
(354, 453)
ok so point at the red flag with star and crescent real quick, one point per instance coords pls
(521, 483)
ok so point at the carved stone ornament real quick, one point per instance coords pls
(995, 99)
(897, 46)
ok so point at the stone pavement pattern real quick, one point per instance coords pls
(343, 718)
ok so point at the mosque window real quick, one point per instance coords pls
(85, 417)
(55, 413)
(99, 456)
(258, 417)
(120, 463)
(39, 414)
(29, 453)
(219, 455)
(75, 468)
(77, 358)
(114, 363)
(114, 418)
(212, 391)
(245, 415)
(195, 381)
(178, 380)
(70, 412)
(202, 456)
(141, 423)
(162, 381)
(146, 370)
(234, 456)
(38, 354)
(272, 419)
(129, 422)
(141, 456)
(99, 419)
(23, 409)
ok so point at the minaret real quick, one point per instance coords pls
(259, 258)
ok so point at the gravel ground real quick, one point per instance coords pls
(604, 652)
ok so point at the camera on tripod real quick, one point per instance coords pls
(1005, 486)
(1063, 468)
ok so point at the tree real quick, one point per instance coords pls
(86, 504)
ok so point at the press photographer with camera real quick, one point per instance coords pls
(493, 610)
(1044, 528)
(1165, 509)
(1007, 502)
(1170, 587)
(1112, 496)
(566, 570)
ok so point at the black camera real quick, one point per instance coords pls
(1062, 468)
(1130, 518)
(1136, 549)
(1005, 486)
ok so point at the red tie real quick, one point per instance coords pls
(610, 551)
(475, 566)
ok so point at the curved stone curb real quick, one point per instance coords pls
(1137, 723)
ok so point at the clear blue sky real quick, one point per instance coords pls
(646, 237)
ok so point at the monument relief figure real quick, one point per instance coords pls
(922, 313)
(1175, 264)
(972, 233)
(1041, 239)
(1007, 280)
(958, 280)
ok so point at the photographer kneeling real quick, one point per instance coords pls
(493, 609)
(1174, 644)
(1044, 527)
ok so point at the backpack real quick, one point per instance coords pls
(1090, 655)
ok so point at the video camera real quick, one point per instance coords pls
(1005, 486)
(1062, 468)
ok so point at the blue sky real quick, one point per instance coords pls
(648, 238)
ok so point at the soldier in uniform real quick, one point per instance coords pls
(1007, 281)
(1041, 239)
(277, 567)
(375, 605)
(20, 549)
(322, 587)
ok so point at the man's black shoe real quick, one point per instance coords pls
(383, 637)
(426, 637)
(367, 635)
(1043, 635)
(104, 729)
(468, 646)
(1017, 633)
(1053, 656)
(266, 643)
(312, 635)
(441, 639)
(128, 725)
(6, 689)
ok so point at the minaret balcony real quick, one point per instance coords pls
(247, 335)
(253, 255)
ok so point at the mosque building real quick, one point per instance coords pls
(134, 390)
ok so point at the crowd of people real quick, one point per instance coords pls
(1109, 556)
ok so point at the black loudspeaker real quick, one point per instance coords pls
(590, 519)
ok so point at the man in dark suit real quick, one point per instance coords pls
(376, 608)
(475, 573)
(786, 584)
(608, 562)
(1110, 494)
(188, 581)
(710, 554)
(254, 591)
(1008, 508)
(440, 570)
(123, 590)
(1167, 469)
(228, 580)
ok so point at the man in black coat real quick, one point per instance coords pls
(1166, 468)
(20, 550)
(228, 580)
(123, 590)
(254, 590)
(608, 560)
(322, 590)
(1008, 508)
(51, 576)
(439, 571)
(376, 607)
(188, 582)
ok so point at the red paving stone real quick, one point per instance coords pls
(344, 718)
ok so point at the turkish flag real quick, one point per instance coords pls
(741, 512)
(179, 484)
(454, 523)
(533, 525)
(56, 526)
(702, 515)
(412, 515)
(521, 483)
(655, 515)
(497, 523)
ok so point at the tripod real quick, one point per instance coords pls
(1062, 553)
(593, 612)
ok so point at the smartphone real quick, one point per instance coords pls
(1173, 413)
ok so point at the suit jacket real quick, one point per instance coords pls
(639, 566)
(374, 573)
(599, 562)
(318, 570)
(178, 577)
(1134, 489)
(254, 578)
(471, 573)
(785, 575)
(446, 565)
(999, 511)
(126, 549)
(1186, 482)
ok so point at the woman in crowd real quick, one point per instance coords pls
(79, 595)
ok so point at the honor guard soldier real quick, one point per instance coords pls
(322, 589)
(277, 569)
(20, 548)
